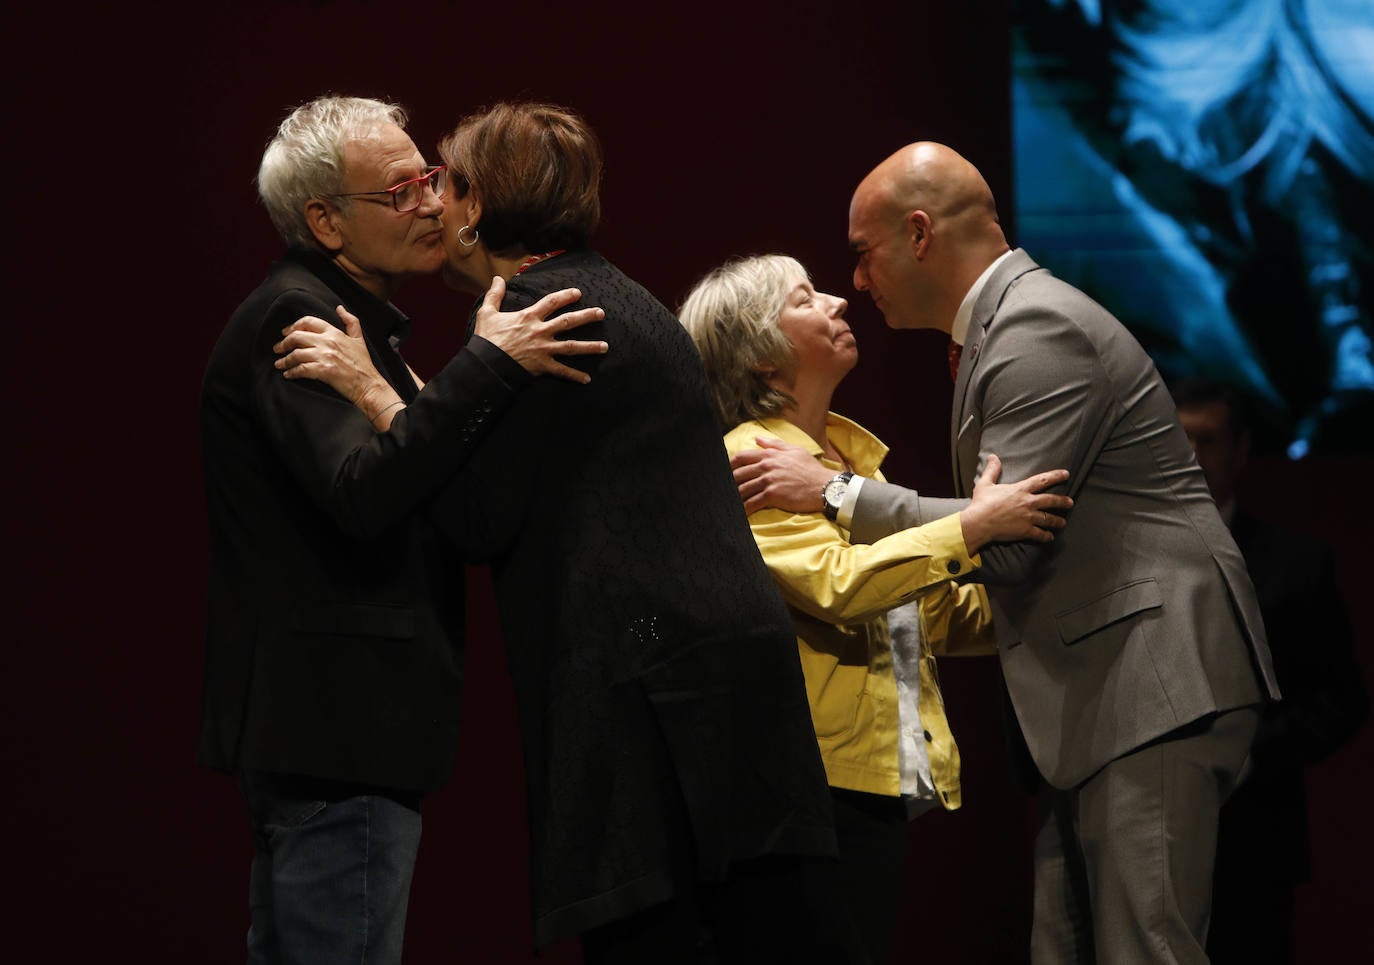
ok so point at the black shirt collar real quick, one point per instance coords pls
(381, 320)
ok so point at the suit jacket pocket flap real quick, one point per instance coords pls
(1120, 603)
(355, 620)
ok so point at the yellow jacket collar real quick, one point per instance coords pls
(863, 450)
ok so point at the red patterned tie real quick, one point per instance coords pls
(955, 350)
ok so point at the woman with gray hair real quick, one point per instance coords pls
(868, 619)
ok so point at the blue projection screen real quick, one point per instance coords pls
(1205, 169)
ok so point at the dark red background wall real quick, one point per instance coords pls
(132, 230)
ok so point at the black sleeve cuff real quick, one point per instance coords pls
(502, 365)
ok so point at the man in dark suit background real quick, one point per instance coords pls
(333, 663)
(1131, 646)
(1263, 847)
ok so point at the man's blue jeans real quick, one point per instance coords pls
(331, 874)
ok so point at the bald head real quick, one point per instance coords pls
(940, 181)
(929, 219)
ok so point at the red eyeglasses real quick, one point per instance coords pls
(407, 195)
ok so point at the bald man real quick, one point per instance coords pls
(1131, 646)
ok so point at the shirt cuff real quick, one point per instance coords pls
(845, 516)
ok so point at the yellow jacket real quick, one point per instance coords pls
(839, 595)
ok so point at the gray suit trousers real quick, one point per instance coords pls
(1123, 862)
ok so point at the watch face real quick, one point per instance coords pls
(834, 492)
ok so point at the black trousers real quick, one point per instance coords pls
(775, 908)
(873, 833)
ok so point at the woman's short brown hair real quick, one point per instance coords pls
(537, 169)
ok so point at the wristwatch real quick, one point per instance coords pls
(832, 495)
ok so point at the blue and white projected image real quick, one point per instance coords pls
(1205, 169)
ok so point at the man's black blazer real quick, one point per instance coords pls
(333, 645)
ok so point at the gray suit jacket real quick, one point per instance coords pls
(1140, 617)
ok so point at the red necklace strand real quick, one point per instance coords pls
(532, 259)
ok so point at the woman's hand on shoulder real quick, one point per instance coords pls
(1009, 512)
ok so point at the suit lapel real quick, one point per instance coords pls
(989, 300)
(967, 361)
